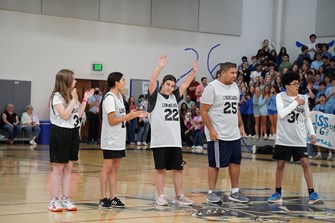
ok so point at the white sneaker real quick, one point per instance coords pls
(182, 200)
(55, 205)
(162, 201)
(198, 149)
(254, 149)
(68, 205)
(249, 136)
(144, 144)
(138, 143)
(256, 137)
(330, 156)
(265, 137)
(253, 136)
(318, 157)
(32, 142)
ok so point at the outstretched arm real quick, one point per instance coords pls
(188, 79)
(153, 80)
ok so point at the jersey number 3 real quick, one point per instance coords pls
(293, 117)
(230, 108)
(171, 114)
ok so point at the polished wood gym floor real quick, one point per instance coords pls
(25, 185)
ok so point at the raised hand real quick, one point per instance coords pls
(195, 66)
(162, 61)
(88, 94)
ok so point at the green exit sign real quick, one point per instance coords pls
(97, 67)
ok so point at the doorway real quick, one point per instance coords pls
(83, 85)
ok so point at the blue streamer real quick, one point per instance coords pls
(246, 145)
(192, 67)
(209, 53)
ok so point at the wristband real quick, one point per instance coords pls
(85, 100)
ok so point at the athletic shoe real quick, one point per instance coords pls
(2, 137)
(238, 197)
(198, 149)
(117, 203)
(182, 200)
(213, 198)
(144, 144)
(318, 157)
(253, 136)
(161, 201)
(330, 156)
(313, 198)
(254, 149)
(249, 136)
(132, 143)
(68, 205)
(32, 142)
(104, 203)
(275, 198)
(194, 146)
(265, 137)
(55, 205)
(138, 143)
(256, 137)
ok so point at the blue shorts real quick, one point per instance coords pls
(272, 112)
(221, 153)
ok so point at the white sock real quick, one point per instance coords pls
(210, 191)
(319, 153)
(234, 190)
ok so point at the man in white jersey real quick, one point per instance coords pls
(293, 120)
(224, 128)
(165, 130)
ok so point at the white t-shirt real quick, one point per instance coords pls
(224, 110)
(293, 119)
(56, 119)
(113, 137)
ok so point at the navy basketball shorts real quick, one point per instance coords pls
(221, 153)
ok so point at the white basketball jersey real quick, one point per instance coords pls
(113, 137)
(224, 110)
(291, 130)
(56, 119)
(165, 123)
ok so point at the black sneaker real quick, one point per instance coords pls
(115, 202)
(105, 203)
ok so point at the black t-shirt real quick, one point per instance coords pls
(11, 118)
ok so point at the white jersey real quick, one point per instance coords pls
(224, 110)
(165, 121)
(293, 119)
(113, 137)
(56, 119)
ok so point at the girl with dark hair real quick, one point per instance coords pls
(65, 114)
(113, 137)
(165, 130)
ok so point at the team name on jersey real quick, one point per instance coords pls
(300, 109)
(229, 97)
(169, 105)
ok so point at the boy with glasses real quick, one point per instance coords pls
(293, 120)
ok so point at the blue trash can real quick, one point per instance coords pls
(44, 136)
